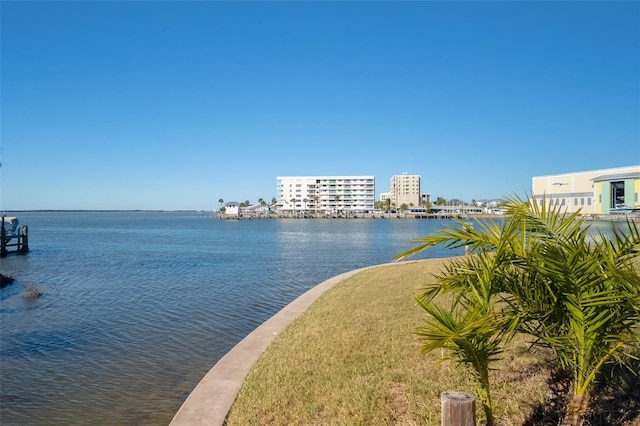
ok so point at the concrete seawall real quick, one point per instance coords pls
(211, 400)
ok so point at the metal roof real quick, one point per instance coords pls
(632, 175)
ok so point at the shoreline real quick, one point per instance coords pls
(367, 216)
(422, 216)
(210, 401)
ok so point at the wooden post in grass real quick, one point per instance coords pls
(458, 409)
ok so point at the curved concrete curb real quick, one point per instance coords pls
(212, 398)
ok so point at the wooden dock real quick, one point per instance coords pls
(14, 243)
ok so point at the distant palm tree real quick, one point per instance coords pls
(263, 204)
(426, 204)
(294, 201)
(221, 201)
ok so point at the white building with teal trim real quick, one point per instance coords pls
(616, 193)
(593, 192)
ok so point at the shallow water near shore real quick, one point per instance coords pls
(137, 307)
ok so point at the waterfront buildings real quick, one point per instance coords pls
(325, 194)
(404, 189)
(232, 208)
(592, 192)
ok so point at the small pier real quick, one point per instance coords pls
(13, 239)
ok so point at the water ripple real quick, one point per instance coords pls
(138, 307)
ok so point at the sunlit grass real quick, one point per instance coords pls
(352, 358)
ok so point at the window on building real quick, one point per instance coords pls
(582, 201)
(589, 201)
(617, 194)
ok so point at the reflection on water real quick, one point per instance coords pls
(137, 306)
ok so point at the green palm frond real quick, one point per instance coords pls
(483, 235)
(472, 336)
(541, 272)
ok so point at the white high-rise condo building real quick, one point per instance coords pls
(405, 189)
(326, 194)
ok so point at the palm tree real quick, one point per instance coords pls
(585, 305)
(262, 204)
(473, 330)
(221, 201)
(575, 294)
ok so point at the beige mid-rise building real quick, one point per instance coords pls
(405, 189)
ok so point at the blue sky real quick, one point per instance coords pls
(174, 105)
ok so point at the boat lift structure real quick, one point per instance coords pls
(13, 238)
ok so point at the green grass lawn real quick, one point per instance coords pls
(353, 359)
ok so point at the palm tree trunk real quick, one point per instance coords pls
(576, 409)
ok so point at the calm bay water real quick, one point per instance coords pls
(137, 307)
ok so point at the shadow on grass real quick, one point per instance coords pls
(615, 398)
